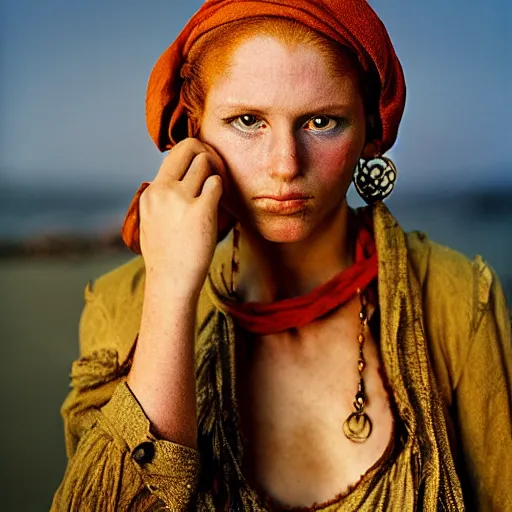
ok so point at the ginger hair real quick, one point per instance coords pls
(210, 57)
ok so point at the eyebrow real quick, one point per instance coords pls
(230, 108)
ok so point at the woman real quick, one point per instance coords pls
(274, 349)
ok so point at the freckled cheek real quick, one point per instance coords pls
(334, 163)
(241, 159)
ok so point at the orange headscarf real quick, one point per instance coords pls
(352, 23)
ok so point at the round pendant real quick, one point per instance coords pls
(358, 427)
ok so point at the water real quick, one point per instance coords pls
(33, 211)
(472, 221)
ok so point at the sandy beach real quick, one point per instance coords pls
(40, 306)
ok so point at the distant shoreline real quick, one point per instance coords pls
(62, 246)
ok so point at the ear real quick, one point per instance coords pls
(370, 149)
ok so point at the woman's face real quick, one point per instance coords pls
(286, 124)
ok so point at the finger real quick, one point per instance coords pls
(201, 167)
(178, 160)
(218, 162)
(212, 191)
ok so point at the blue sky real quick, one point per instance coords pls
(73, 77)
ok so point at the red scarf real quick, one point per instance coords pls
(268, 318)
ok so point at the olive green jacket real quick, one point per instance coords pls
(446, 349)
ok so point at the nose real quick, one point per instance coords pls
(284, 161)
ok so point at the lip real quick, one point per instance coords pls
(285, 197)
(282, 206)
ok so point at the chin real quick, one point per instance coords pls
(283, 229)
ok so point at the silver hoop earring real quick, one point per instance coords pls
(374, 179)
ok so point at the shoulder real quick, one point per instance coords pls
(113, 310)
(123, 280)
(113, 307)
(448, 274)
(454, 292)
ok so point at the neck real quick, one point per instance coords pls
(272, 271)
